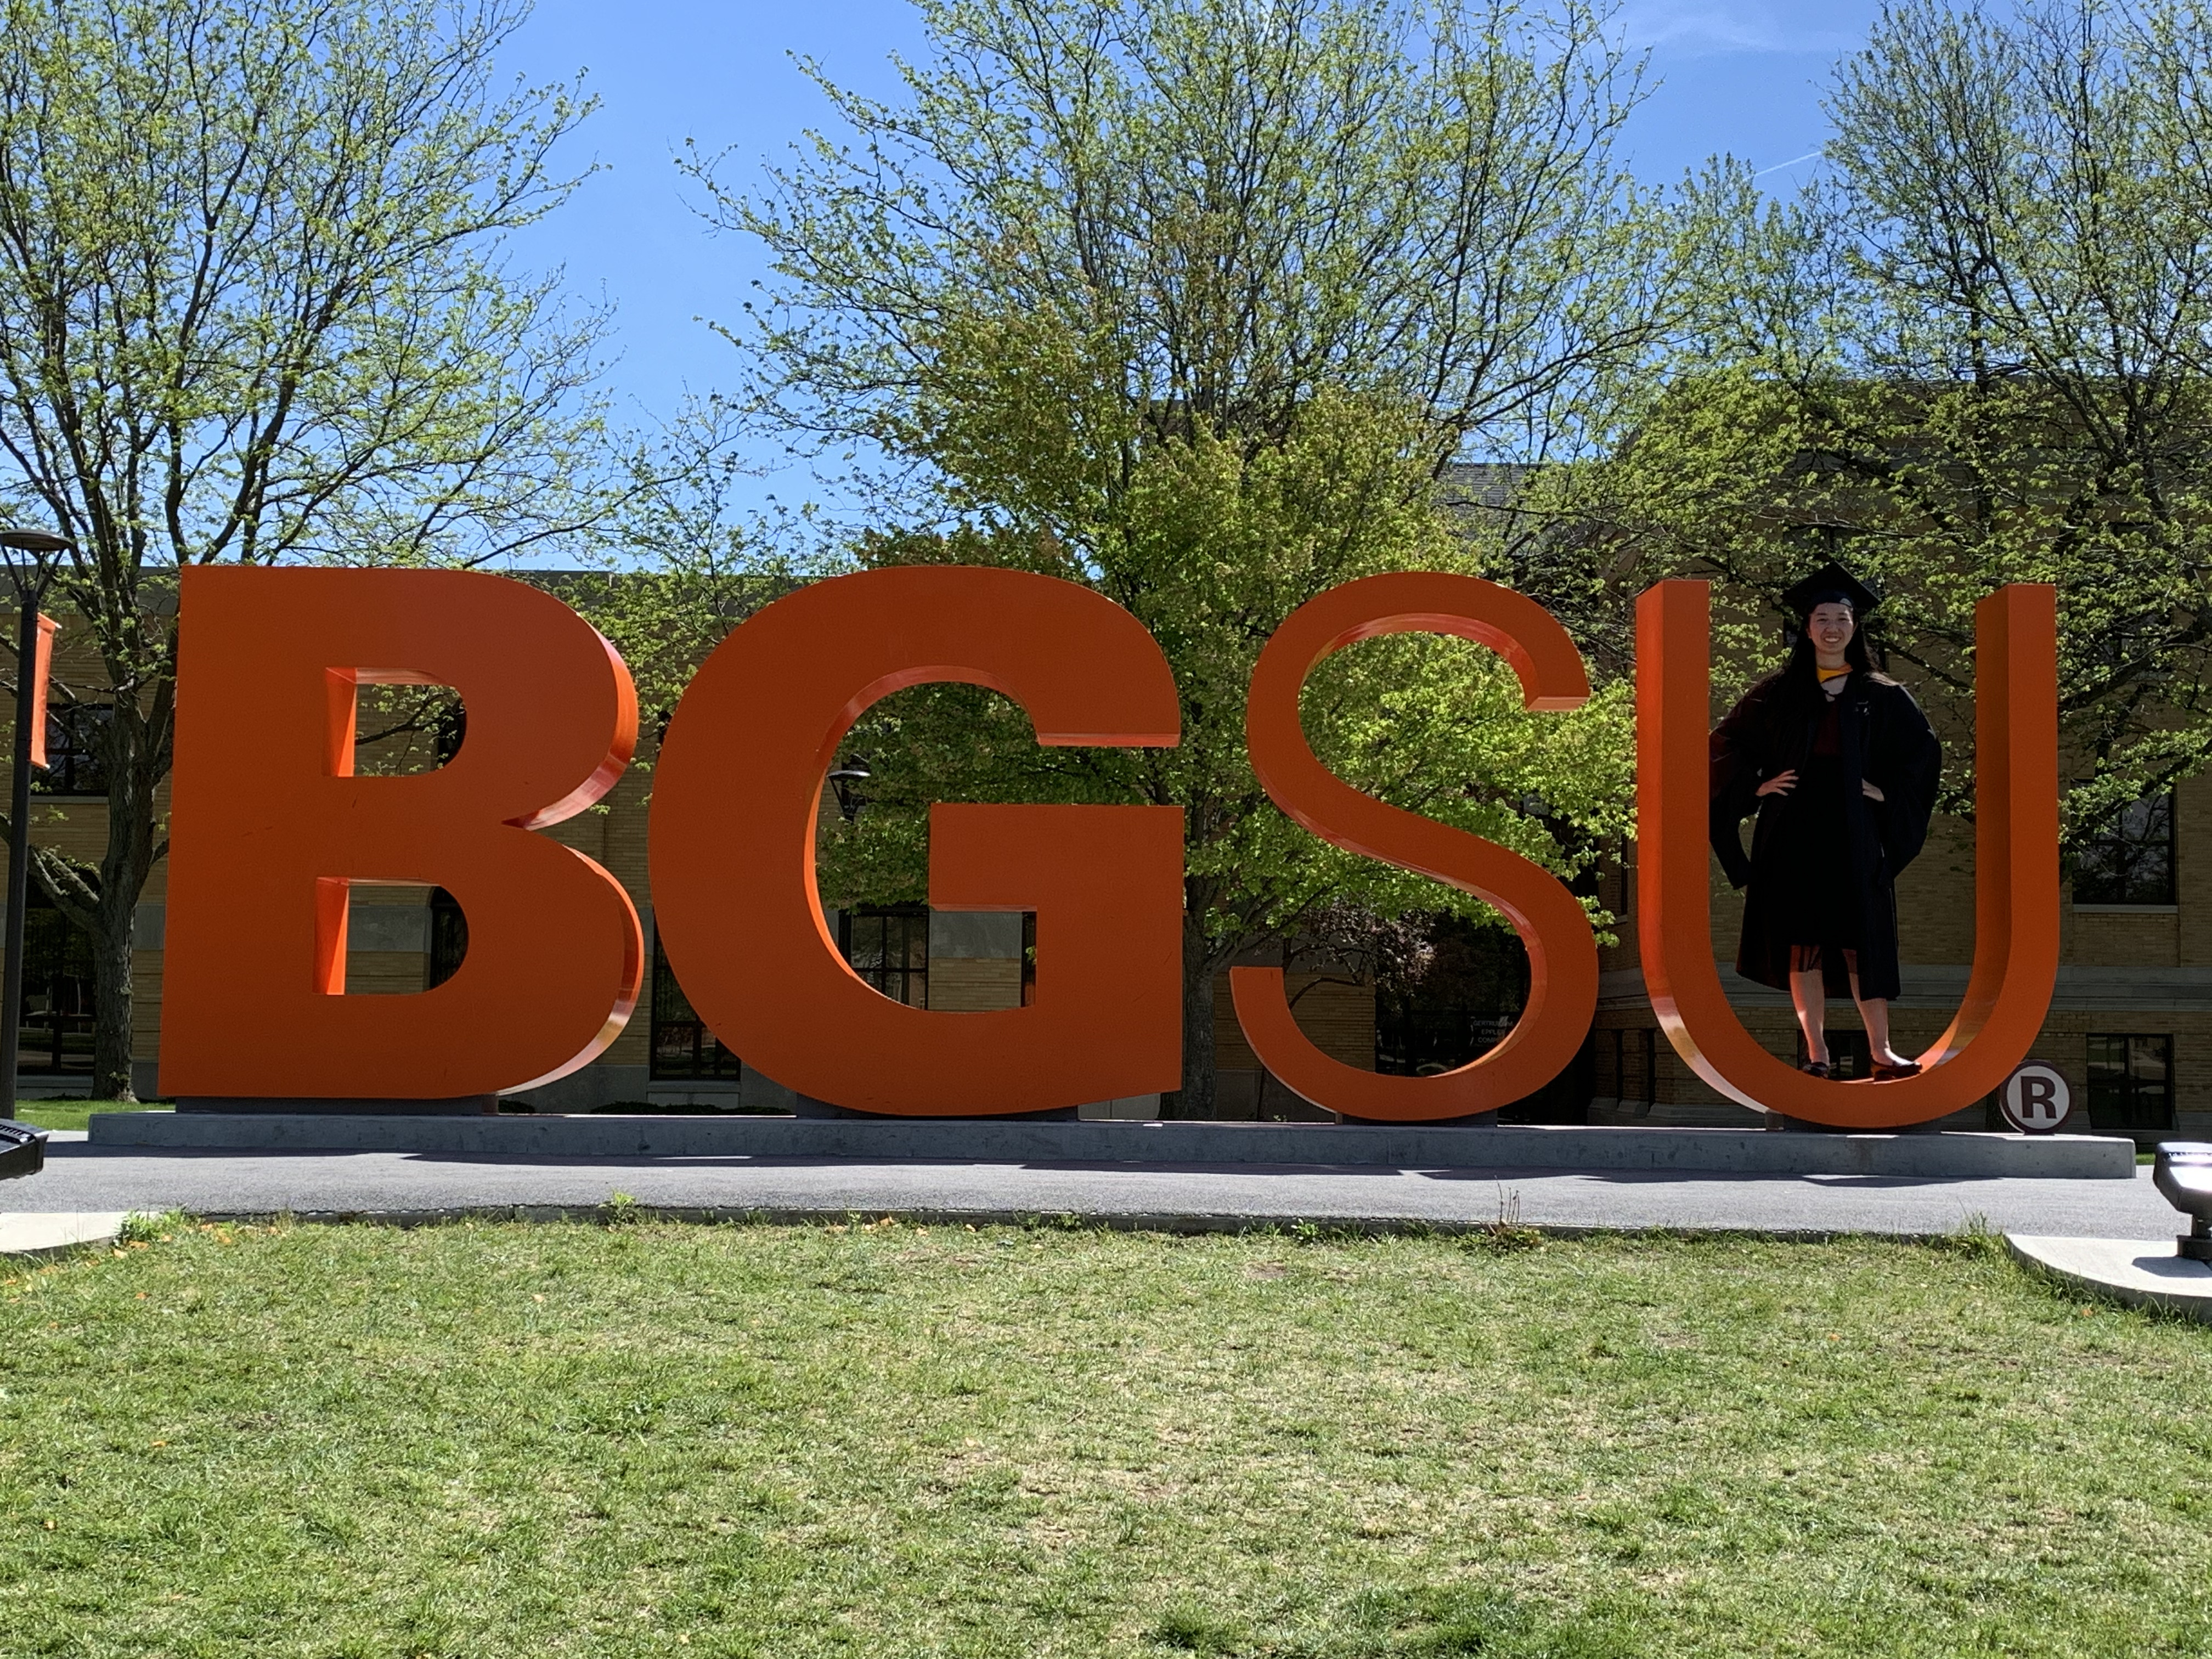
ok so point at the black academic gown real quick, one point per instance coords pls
(1843, 838)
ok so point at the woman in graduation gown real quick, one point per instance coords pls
(1840, 765)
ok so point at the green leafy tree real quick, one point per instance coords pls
(252, 308)
(683, 557)
(1194, 301)
(1975, 353)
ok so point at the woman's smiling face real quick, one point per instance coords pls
(1830, 626)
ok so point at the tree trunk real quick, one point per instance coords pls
(1196, 1098)
(112, 944)
(135, 746)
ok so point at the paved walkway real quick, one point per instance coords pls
(82, 1177)
(51, 1232)
(2150, 1276)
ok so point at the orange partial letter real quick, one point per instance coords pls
(271, 826)
(1551, 922)
(42, 671)
(2015, 868)
(736, 795)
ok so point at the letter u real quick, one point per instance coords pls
(2015, 868)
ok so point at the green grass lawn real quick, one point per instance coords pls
(74, 1113)
(892, 1440)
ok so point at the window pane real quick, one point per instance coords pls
(73, 764)
(2131, 860)
(2147, 1061)
(57, 1029)
(888, 948)
(682, 1046)
(2130, 1084)
(1453, 1002)
(449, 938)
(865, 952)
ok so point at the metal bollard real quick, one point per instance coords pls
(2183, 1174)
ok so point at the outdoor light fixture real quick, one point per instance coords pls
(23, 1150)
(2183, 1174)
(845, 781)
(32, 573)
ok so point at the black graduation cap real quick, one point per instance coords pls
(1831, 582)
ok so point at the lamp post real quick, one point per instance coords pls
(32, 573)
(845, 781)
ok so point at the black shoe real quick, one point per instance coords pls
(1815, 1068)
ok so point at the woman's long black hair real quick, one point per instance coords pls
(1796, 690)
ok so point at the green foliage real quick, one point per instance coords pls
(73, 1114)
(1117, 301)
(149, 1227)
(1091, 225)
(685, 561)
(1973, 353)
(253, 308)
(1218, 552)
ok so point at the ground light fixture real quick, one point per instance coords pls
(29, 555)
(2183, 1174)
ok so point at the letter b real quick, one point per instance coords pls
(271, 826)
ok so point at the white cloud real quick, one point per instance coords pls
(1703, 28)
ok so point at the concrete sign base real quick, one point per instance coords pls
(1744, 1151)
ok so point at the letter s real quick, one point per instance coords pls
(1562, 951)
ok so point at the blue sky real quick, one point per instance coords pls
(1742, 77)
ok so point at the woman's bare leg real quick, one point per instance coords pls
(1810, 994)
(1874, 1012)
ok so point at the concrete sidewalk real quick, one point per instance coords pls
(56, 1232)
(2146, 1274)
(83, 1177)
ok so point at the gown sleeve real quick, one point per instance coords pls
(1910, 765)
(1734, 785)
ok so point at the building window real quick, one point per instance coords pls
(2130, 1085)
(449, 939)
(887, 945)
(57, 1029)
(1451, 1002)
(73, 763)
(2130, 861)
(683, 1046)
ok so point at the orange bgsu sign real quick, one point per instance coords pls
(269, 826)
